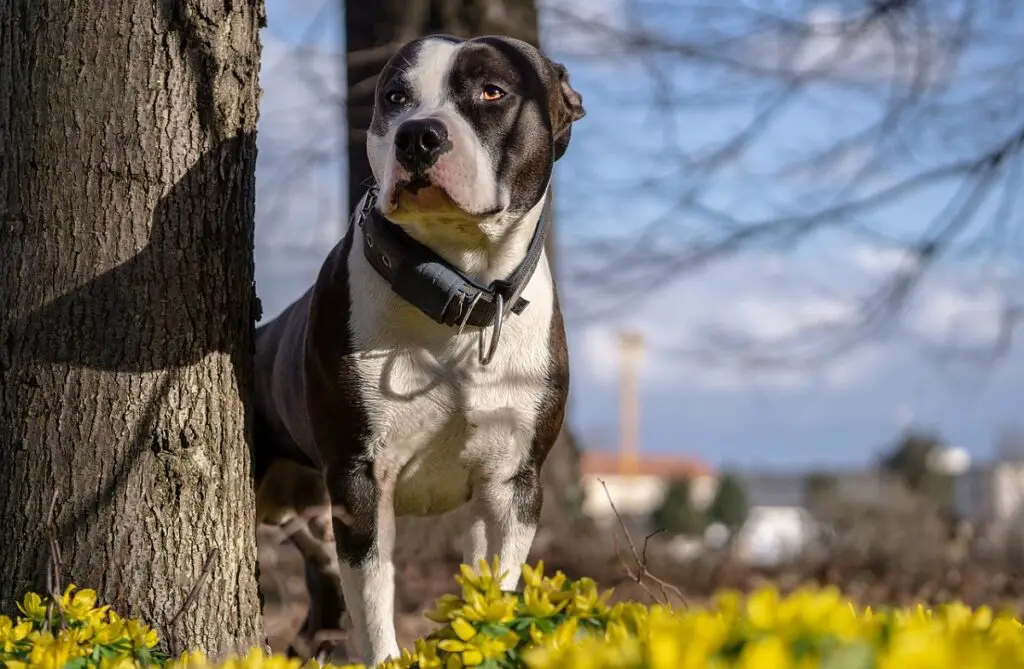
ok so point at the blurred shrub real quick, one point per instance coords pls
(911, 460)
(677, 513)
(729, 506)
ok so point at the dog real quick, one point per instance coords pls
(426, 368)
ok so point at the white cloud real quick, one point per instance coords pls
(879, 261)
(768, 318)
(746, 324)
(856, 368)
(964, 314)
(833, 46)
(703, 333)
(581, 27)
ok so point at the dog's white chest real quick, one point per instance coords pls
(443, 421)
(438, 416)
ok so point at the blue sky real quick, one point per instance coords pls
(699, 397)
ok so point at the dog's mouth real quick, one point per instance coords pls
(414, 185)
(419, 195)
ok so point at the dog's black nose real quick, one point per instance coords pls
(419, 143)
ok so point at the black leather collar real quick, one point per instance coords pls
(431, 284)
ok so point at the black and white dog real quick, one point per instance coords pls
(427, 366)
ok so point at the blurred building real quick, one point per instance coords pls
(992, 492)
(775, 535)
(638, 487)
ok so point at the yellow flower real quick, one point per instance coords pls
(33, 606)
(425, 655)
(118, 663)
(463, 629)
(586, 600)
(11, 634)
(445, 606)
(768, 653)
(664, 651)
(474, 648)
(486, 579)
(51, 652)
(763, 608)
(110, 631)
(79, 606)
(498, 608)
(469, 655)
(141, 634)
(536, 635)
(538, 604)
(533, 577)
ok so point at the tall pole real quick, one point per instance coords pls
(631, 349)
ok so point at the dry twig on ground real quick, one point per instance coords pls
(640, 572)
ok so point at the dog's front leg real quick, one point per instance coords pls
(506, 511)
(365, 531)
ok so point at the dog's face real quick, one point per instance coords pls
(468, 130)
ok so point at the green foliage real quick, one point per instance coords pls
(730, 506)
(677, 513)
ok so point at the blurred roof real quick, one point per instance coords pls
(609, 463)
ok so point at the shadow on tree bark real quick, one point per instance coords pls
(139, 330)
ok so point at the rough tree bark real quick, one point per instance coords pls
(374, 30)
(127, 179)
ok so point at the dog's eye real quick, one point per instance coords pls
(491, 93)
(395, 97)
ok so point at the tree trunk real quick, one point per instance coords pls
(127, 181)
(374, 31)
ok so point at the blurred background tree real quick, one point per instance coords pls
(677, 513)
(915, 459)
(729, 507)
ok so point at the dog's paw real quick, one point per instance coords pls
(331, 648)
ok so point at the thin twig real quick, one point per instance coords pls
(641, 572)
(53, 579)
(633, 575)
(643, 552)
(193, 594)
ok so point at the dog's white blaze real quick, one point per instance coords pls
(429, 74)
(447, 426)
(467, 171)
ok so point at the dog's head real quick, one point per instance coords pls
(467, 131)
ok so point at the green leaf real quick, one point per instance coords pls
(546, 625)
(522, 623)
(494, 629)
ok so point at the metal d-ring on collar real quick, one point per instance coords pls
(438, 289)
(499, 314)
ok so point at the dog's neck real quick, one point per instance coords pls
(486, 251)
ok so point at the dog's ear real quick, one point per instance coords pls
(566, 107)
